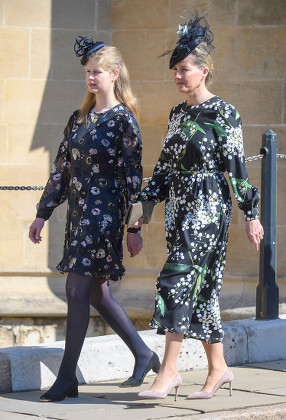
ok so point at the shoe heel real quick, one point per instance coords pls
(176, 392)
(230, 388)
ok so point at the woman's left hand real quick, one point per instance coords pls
(254, 232)
(134, 244)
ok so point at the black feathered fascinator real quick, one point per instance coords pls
(84, 47)
(192, 34)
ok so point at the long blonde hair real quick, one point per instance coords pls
(110, 59)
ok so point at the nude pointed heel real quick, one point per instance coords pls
(227, 377)
(176, 383)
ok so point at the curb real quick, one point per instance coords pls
(106, 358)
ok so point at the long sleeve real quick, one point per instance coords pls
(130, 158)
(158, 186)
(229, 130)
(56, 190)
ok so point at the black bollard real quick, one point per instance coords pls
(267, 292)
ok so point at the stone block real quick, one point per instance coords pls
(46, 137)
(223, 13)
(150, 14)
(15, 43)
(179, 11)
(41, 53)
(281, 196)
(28, 14)
(20, 149)
(252, 139)
(235, 344)
(65, 65)
(260, 92)
(103, 15)
(242, 52)
(27, 106)
(241, 255)
(261, 336)
(71, 14)
(156, 246)
(4, 143)
(5, 373)
(281, 247)
(42, 102)
(152, 141)
(147, 43)
(156, 96)
(260, 13)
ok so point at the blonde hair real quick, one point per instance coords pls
(110, 59)
(201, 58)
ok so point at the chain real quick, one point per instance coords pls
(29, 188)
(252, 158)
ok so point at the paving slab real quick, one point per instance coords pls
(258, 394)
(273, 365)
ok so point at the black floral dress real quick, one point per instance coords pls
(202, 143)
(98, 170)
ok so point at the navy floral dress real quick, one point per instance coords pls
(202, 143)
(98, 170)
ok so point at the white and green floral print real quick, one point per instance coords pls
(202, 143)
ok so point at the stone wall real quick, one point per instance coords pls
(41, 83)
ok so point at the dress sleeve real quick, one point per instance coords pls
(130, 158)
(229, 130)
(158, 185)
(56, 190)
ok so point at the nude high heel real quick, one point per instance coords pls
(176, 383)
(226, 377)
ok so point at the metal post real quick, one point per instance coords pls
(267, 292)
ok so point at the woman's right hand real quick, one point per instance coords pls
(138, 224)
(35, 230)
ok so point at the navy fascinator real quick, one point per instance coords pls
(85, 46)
(192, 34)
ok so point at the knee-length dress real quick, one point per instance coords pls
(202, 142)
(98, 170)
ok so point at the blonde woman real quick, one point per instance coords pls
(98, 170)
(204, 141)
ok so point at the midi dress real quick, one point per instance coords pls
(98, 171)
(202, 143)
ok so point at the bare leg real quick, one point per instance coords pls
(216, 365)
(168, 368)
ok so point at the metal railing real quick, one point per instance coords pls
(267, 292)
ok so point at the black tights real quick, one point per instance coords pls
(81, 293)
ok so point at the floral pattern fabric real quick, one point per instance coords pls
(98, 170)
(202, 143)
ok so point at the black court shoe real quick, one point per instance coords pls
(71, 392)
(154, 364)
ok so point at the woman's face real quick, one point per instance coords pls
(188, 77)
(98, 80)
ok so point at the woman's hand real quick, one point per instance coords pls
(254, 232)
(138, 224)
(134, 244)
(35, 230)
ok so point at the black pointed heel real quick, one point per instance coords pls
(154, 365)
(71, 392)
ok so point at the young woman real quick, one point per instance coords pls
(98, 170)
(204, 140)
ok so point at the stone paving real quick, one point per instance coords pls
(259, 393)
